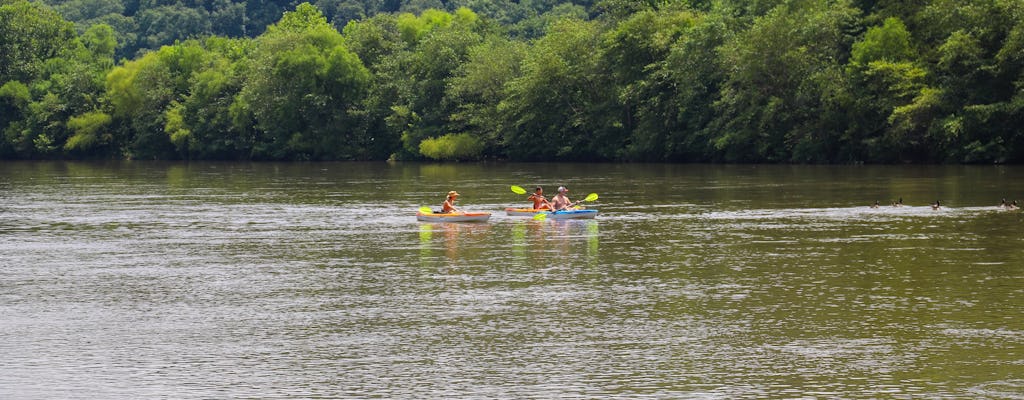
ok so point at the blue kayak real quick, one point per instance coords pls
(566, 214)
(573, 214)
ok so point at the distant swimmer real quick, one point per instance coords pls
(898, 203)
(936, 206)
(1008, 205)
(875, 205)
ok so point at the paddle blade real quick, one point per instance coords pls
(426, 210)
(540, 216)
(518, 190)
(591, 197)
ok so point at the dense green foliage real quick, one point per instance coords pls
(818, 81)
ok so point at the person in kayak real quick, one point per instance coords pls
(539, 201)
(561, 201)
(449, 203)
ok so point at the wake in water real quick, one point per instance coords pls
(859, 213)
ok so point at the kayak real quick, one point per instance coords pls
(523, 212)
(453, 217)
(573, 214)
(566, 214)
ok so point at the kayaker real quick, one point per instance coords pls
(539, 201)
(561, 201)
(449, 203)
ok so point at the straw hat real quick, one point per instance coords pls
(453, 193)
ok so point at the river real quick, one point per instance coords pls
(314, 280)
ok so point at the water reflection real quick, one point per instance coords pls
(555, 240)
(456, 240)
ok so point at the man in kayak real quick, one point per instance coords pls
(561, 201)
(539, 202)
(449, 203)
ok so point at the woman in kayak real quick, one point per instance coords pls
(539, 202)
(449, 203)
(561, 201)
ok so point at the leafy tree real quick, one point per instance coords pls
(301, 89)
(125, 33)
(30, 34)
(636, 51)
(164, 25)
(91, 130)
(200, 125)
(431, 64)
(89, 10)
(889, 42)
(377, 42)
(407, 99)
(978, 96)
(884, 76)
(228, 19)
(61, 75)
(477, 88)
(374, 39)
(14, 101)
(648, 80)
(783, 72)
(460, 146)
(141, 91)
(534, 23)
(557, 108)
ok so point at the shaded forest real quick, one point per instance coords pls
(797, 81)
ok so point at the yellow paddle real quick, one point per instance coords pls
(518, 190)
(426, 210)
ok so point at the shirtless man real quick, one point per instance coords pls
(561, 201)
(539, 201)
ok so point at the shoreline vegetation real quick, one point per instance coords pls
(680, 81)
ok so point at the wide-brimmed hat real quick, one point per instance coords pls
(453, 193)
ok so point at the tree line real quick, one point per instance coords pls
(802, 81)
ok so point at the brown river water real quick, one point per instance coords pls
(314, 280)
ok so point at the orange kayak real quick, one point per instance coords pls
(453, 217)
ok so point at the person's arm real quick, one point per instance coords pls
(452, 207)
